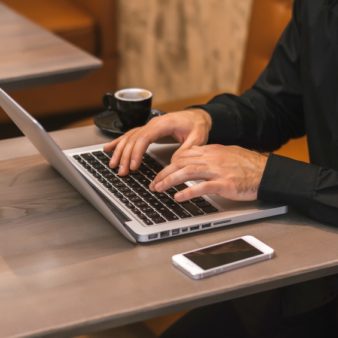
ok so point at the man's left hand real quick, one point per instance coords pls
(228, 171)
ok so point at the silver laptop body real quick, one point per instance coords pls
(117, 207)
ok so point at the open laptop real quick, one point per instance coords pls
(126, 202)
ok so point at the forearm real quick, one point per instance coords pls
(271, 112)
(255, 120)
(311, 189)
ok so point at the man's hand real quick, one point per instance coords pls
(229, 171)
(188, 127)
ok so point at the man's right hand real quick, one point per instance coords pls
(188, 127)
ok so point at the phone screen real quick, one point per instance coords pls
(222, 254)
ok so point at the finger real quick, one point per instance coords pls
(157, 127)
(109, 147)
(187, 173)
(194, 167)
(195, 151)
(169, 169)
(195, 138)
(138, 142)
(196, 190)
(125, 159)
(140, 146)
(115, 160)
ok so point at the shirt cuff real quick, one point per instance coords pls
(287, 181)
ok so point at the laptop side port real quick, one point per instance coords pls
(164, 234)
(175, 232)
(225, 221)
(152, 236)
(194, 228)
(206, 225)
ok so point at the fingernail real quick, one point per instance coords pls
(158, 187)
(178, 196)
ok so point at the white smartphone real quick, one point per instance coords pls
(224, 256)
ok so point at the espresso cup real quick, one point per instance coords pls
(133, 106)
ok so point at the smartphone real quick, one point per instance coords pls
(224, 256)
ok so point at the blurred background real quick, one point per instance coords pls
(185, 52)
(177, 49)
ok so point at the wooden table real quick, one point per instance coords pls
(65, 270)
(32, 55)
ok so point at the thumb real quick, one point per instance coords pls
(193, 139)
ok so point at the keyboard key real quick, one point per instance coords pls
(148, 221)
(180, 211)
(210, 210)
(107, 184)
(112, 189)
(192, 208)
(170, 216)
(203, 203)
(181, 187)
(144, 181)
(183, 214)
(158, 220)
(135, 199)
(118, 195)
(98, 153)
(171, 192)
(197, 199)
(141, 204)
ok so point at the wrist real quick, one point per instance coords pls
(204, 116)
(262, 162)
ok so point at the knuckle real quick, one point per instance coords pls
(215, 147)
(191, 170)
(136, 156)
(177, 157)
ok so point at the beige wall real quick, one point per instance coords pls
(182, 48)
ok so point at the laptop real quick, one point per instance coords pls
(126, 202)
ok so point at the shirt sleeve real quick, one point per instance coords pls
(310, 188)
(270, 113)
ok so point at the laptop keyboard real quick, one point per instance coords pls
(132, 190)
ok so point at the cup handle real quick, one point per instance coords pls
(109, 101)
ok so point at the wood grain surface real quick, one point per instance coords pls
(32, 55)
(64, 270)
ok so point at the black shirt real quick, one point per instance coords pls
(296, 94)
